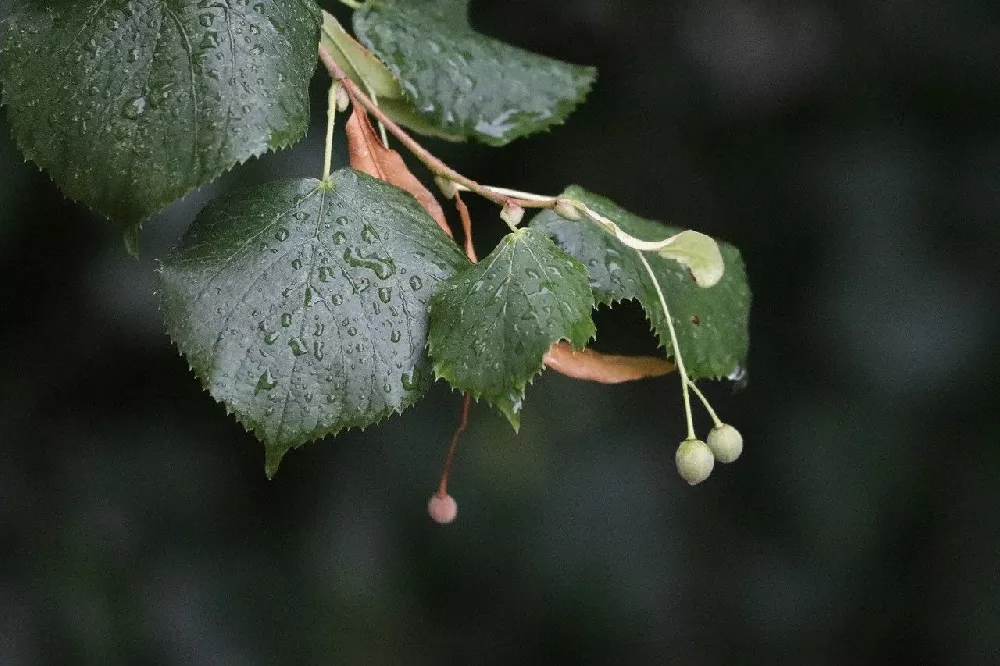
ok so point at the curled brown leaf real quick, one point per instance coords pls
(594, 366)
(369, 155)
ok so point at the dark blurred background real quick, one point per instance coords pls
(850, 149)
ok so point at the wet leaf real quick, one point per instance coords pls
(711, 323)
(462, 83)
(492, 323)
(129, 105)
(303, 306)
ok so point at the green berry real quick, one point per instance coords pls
(726, 443)
(694, 461)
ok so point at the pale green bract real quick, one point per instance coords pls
(130, 104)
(711, 323)
(491, 324)
(303, 307)
(699, 253)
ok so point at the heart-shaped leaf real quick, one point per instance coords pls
(492, 324)
(302, 305)
(131, 104)
(462, 83)
(711, 323)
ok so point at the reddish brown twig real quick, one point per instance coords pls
(436, 166)
(463, 213)
(462, 425)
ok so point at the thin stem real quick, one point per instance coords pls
(542, 199)
(677, 348)
(381, 126)
(616, 231)
(437, 167)
(498, 195)
(704, 401)
(463, 423)
(331, 115)
(463, 213)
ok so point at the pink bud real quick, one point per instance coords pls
(442, 509)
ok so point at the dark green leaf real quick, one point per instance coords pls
(491, 324)
(131, 104)
(464, 83)
(711, 323)
(302, 306)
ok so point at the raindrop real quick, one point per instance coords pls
(286, 320)
(396, 336)
(385, 294)
(383, 267)
(281, 234)
(266, 382)
(339, 238)
(135, 108)
(210, 40)
(296, 264)
(298, 347)
(416, 283)
(337, 299)
(368, 234)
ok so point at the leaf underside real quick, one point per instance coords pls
(492, 323)
(462, 83)
(130, 104)
(303, 306)
(711, 323)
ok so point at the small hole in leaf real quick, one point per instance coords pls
(695, 320)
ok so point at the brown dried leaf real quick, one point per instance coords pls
(369, 155)
(594, 366)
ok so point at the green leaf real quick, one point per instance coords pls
(491, 324)
(464, 83)
(711, 323)
(362, 67)
(360, 64)
(302, 305)
(129, 105)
